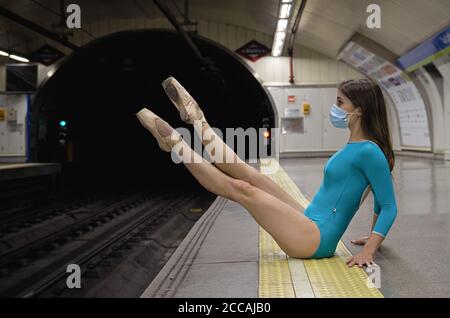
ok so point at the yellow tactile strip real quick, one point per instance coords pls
(274, 274)
(329, 277)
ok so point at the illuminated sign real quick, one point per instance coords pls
(427, 52)
(253, 50)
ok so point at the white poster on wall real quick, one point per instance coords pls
(292, 112)
(409, 104)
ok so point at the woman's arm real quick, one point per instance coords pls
(374, 220)
(376, 209)
(374, 165)
(373, 243)
(363, 240)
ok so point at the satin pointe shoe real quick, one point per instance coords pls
(189, 110)
(165, 135)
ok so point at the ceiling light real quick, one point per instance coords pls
(19, 58)
(282, 24)
(3, 53)
(278, 43)
(285, 10)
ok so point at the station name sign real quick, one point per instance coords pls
(253, 50)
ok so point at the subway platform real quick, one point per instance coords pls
(226, 254)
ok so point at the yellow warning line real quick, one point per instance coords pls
(274, 274)
(282, 276)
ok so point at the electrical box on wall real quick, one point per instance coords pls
(292, 125)
(292, 122)
(12, 116)
(13, 127)
(292, 112)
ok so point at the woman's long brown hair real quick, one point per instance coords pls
(366, 94)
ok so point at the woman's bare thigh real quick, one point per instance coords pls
(296, 234)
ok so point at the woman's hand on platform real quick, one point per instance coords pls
(361, 259)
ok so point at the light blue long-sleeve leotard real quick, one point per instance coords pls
(347, 174)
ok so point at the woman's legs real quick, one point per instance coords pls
(296, 234)
(227, 160)
(191, 113)
(239, 169)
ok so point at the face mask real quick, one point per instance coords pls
(338, 117)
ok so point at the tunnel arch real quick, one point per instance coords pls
(98, 89)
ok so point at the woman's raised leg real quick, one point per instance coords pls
(227, 161)
(296, 234)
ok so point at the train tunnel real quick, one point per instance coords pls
(84, 113)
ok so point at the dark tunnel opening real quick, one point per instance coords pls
(91, 100)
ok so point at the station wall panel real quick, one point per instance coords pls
(318, 134)
(13, 127)
(443, 65)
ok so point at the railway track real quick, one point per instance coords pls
(101, 237)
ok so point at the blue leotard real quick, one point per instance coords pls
(347, 174)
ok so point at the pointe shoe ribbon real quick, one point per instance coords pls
(189, 110)
(148, 119)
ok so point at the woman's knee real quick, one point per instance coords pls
(252, 175)
(240, 189)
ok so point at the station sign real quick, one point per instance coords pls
(46, 55)
(428, 51)
(253, 50)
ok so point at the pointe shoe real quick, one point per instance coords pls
(189, 110)
(148, 119)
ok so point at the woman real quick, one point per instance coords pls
(366, 160)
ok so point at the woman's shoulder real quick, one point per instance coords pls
(371, 152)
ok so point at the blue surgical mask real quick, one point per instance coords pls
(339, 117)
